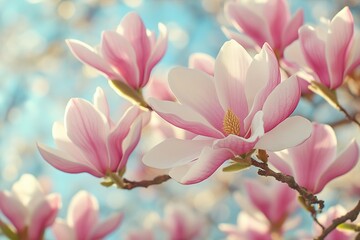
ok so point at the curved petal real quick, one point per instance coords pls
(202, 62)
(231, 66)
(242, 39)
(62, 161)
(281, 102)
(208, 162)
(289, 133)
(118, 51)
(184, 117)
(174, 152)
(107, 226)
(280, 160)
(83, 214)
(62, 230)
(86, 54)
(13, 209)
(87, 128)
(339, 36)
(290, 33)
(353, 56)
(343, 164)
(196, 90)
(294, 56)
(101, 103)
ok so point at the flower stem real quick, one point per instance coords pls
(145, 183)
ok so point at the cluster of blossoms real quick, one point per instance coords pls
(234, 109)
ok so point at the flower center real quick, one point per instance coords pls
(231, 123)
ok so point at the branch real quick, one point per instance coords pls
(351, 215)
(308, 199)
(127, 184)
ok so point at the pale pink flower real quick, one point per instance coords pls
(159, 88)
(248, 227)
(140, 234)
(314, 163)
(202, 62)
(180, 222)
(242, 107)
(28, 208)
(327, 218)
(89, 141)
(128, 54)
(82, 221)
(327, 53)
(263, 21)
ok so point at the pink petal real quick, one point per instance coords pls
(44, 216)
(134, 30)
(289, 133)
(87, 128)
(118, 51)
(62, 230)
(203, 62)
(101, 103)
(157, 53)
(343, 164)
(184, 117)
(281, 102)
(280, 161)
(293, 54)
(313, 48)
(107, 226)
(313, 157)
(242, 39)
(209, 161)
(231, 66)
(339, 36)
(290, 33)
(174, 152)
(83, 214)
(353, 60)
(196, 89)
(251, 24)
(13, 209)
(86, 54)
(64, 162)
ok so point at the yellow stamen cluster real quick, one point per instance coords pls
(231, 123)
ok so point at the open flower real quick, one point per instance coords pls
(242, 107)
(263, 21)
(128, 54)
(28, 208)
(327, 53)
(314, 163)
(89, 141)
(82, 221)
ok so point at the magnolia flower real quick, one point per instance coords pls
(140, 234)
(203, 62)
(314, 163)
(28, 208)
(244, 106)
(263, 21)
(327, 53)
(128, 54)
(247, 227)
(82, 221)
(180, 222)
(89, 141)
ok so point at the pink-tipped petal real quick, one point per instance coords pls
(107, 226)
(290, 33)
(203, 62)
(13, 209)
(289, 133)
(277, 160)
(281, 102)
(339, 36)
(231, 66)
(343, 164)
(62, 230)
(101, 103)
(174, 152)
(196, 89)
(184, 117)
(86, 54)
(242, 39)
(207, 163)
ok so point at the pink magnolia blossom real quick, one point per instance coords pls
(128, 54)
(89, 141)
(242, 107)
(326, 53)
(28, 208)
(203, 62)
(82, 221)
(180, 222)
(263, 21)
(248, 227)
(314, 163)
